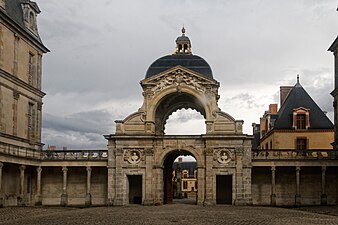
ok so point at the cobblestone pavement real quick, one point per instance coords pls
(167, 214)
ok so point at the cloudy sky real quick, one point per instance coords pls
(101, 49)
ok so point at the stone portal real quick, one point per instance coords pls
(140, 147)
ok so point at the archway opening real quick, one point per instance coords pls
(180, 178)
(185, 122)
(174, 102)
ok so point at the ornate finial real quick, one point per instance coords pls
(297, 78)
(183, 31)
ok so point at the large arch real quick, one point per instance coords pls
(172, 100)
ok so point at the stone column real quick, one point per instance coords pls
(209, 181)
(273, 185)
(64, 196)
(149, 198)
(38, 200)
(21, 198)
(323, 196)
(88, 200)
(297, 196)
(201, 186)
(22, 180)
(119, 179)
(2, 200)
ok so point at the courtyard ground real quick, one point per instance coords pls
(169, 214)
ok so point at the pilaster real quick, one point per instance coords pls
(149, 198)
(209, 178)
(64, 196)
(323, 196)
(88, 200)
(273, 185)
(298, 195)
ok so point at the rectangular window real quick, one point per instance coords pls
(301, 144)
(300, 123)
(31, 77)
(31, 120)
(185, 185)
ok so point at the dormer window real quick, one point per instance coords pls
(301, 118)
(30, 10)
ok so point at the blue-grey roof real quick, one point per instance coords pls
(15, 12)
(192, 62)
(296, 98)
(190, 166)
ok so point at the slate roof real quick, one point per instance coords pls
(191, 166)
(14, 11)
(334, 45)
(296, 98)
(192, 62)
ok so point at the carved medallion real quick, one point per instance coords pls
(133, 156)
(224, 156)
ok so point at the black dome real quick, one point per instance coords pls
(192, 62)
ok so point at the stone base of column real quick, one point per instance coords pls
(209, 202)
(2, 202)
(148, 201)
(118, 202)
(64, 200)
(323, 199)
(240, 202)
(38, 200)
(297, 200)
(88, 200)
(110, 202)
(22, 201)
(273, 199)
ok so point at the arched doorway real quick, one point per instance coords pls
(179, 178)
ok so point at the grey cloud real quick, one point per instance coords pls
(73, 140)
(99, 122)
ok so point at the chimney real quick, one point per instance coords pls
(284, 91)
(52, 147)
(273, 108)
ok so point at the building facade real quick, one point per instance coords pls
(137, 167)
(21, 52)
(299, 124)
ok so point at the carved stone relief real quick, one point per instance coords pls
(133, 156)
(223, 156)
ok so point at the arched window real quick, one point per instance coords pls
(31, 20)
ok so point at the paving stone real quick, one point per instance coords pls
(168, 214)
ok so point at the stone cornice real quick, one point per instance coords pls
(20, 83)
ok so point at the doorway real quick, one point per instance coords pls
(224, 189)
(135, 189)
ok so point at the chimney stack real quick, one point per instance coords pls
(284, 91)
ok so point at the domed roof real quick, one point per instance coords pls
(192, 62)
(183, 57)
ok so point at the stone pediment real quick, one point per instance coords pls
(176, 77)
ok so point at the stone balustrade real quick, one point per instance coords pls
(74, 155)
(291, 154)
